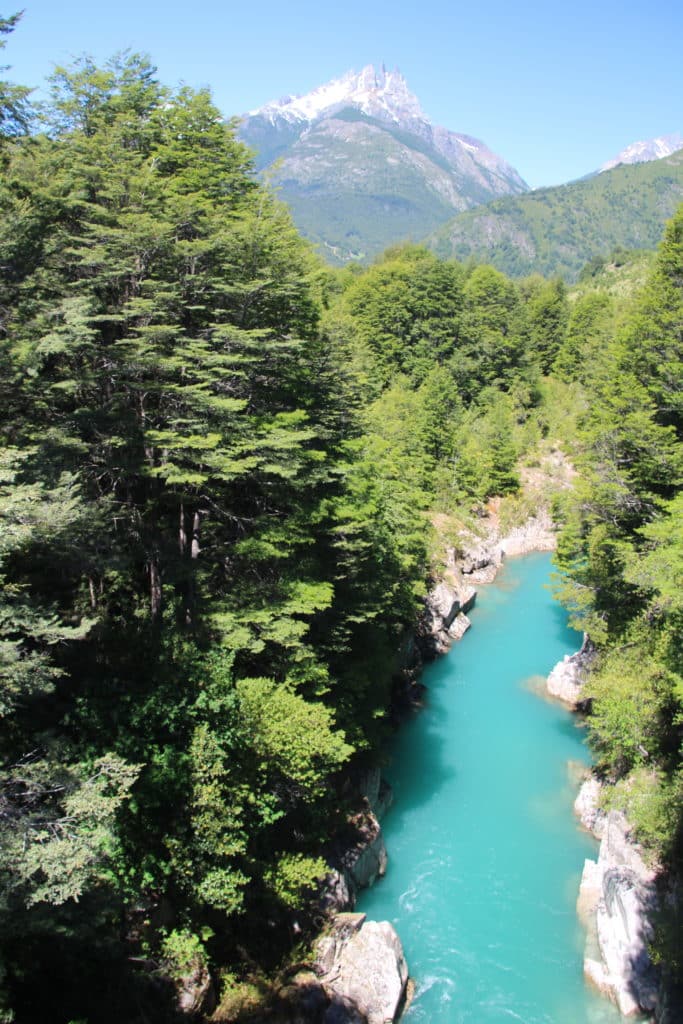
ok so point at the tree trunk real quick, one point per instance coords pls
(182, 532)
(195, 535)
(155, 586)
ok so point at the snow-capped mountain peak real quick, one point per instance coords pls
(376, 92)
(650, 149)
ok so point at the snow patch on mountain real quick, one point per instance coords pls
(650, 149)
(376, 92)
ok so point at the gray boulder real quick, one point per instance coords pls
(444, 604)
(336, 893)
(480, 558)
(361, 966)
(567, 679)
(459, 626)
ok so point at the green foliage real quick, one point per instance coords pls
(291, 736)
(62, 825)
(294, 876)
(492, 340)
(653, 803)
(659, 569)
(589, 329)
(217, 467)
(175, 474)
(406, 310)
(633, 700)
(546, 319)
(183, 953)
(15, 112)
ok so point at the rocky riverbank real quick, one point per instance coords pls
(476, 559)
(359, 973)
(618, 892)
(617, 898)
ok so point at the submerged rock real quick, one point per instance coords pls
(362, 969)
(590, 892)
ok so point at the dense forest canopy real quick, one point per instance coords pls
(218, 465)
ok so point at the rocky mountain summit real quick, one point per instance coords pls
(650, 149)
(362, 167)
(382, 94)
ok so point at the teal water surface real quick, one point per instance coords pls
(485, 856)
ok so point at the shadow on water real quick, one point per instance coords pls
(569, 727)
(572, 637)
(419, 767)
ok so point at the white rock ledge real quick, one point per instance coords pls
(616, 900)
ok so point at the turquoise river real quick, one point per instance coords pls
(485, 856)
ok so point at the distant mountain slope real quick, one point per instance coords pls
(558, 230)
(362, 167)
(650, 149)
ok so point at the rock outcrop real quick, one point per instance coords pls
(195, 992)
(444, 618)
(587, 807)
(364, 857)
(482, 557)
(362, 970)
(536, 534)
(375, 791)
(358, 854)
(616, 901)
(567, 679)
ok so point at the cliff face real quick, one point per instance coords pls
(617, 899)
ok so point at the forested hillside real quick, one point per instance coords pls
(557, 230)
(219, 461)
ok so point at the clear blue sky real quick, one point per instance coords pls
(554, 89)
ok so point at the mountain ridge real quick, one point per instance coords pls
(645, 151)
(362, 167)
(557, 230)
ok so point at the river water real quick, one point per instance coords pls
(485, 856)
